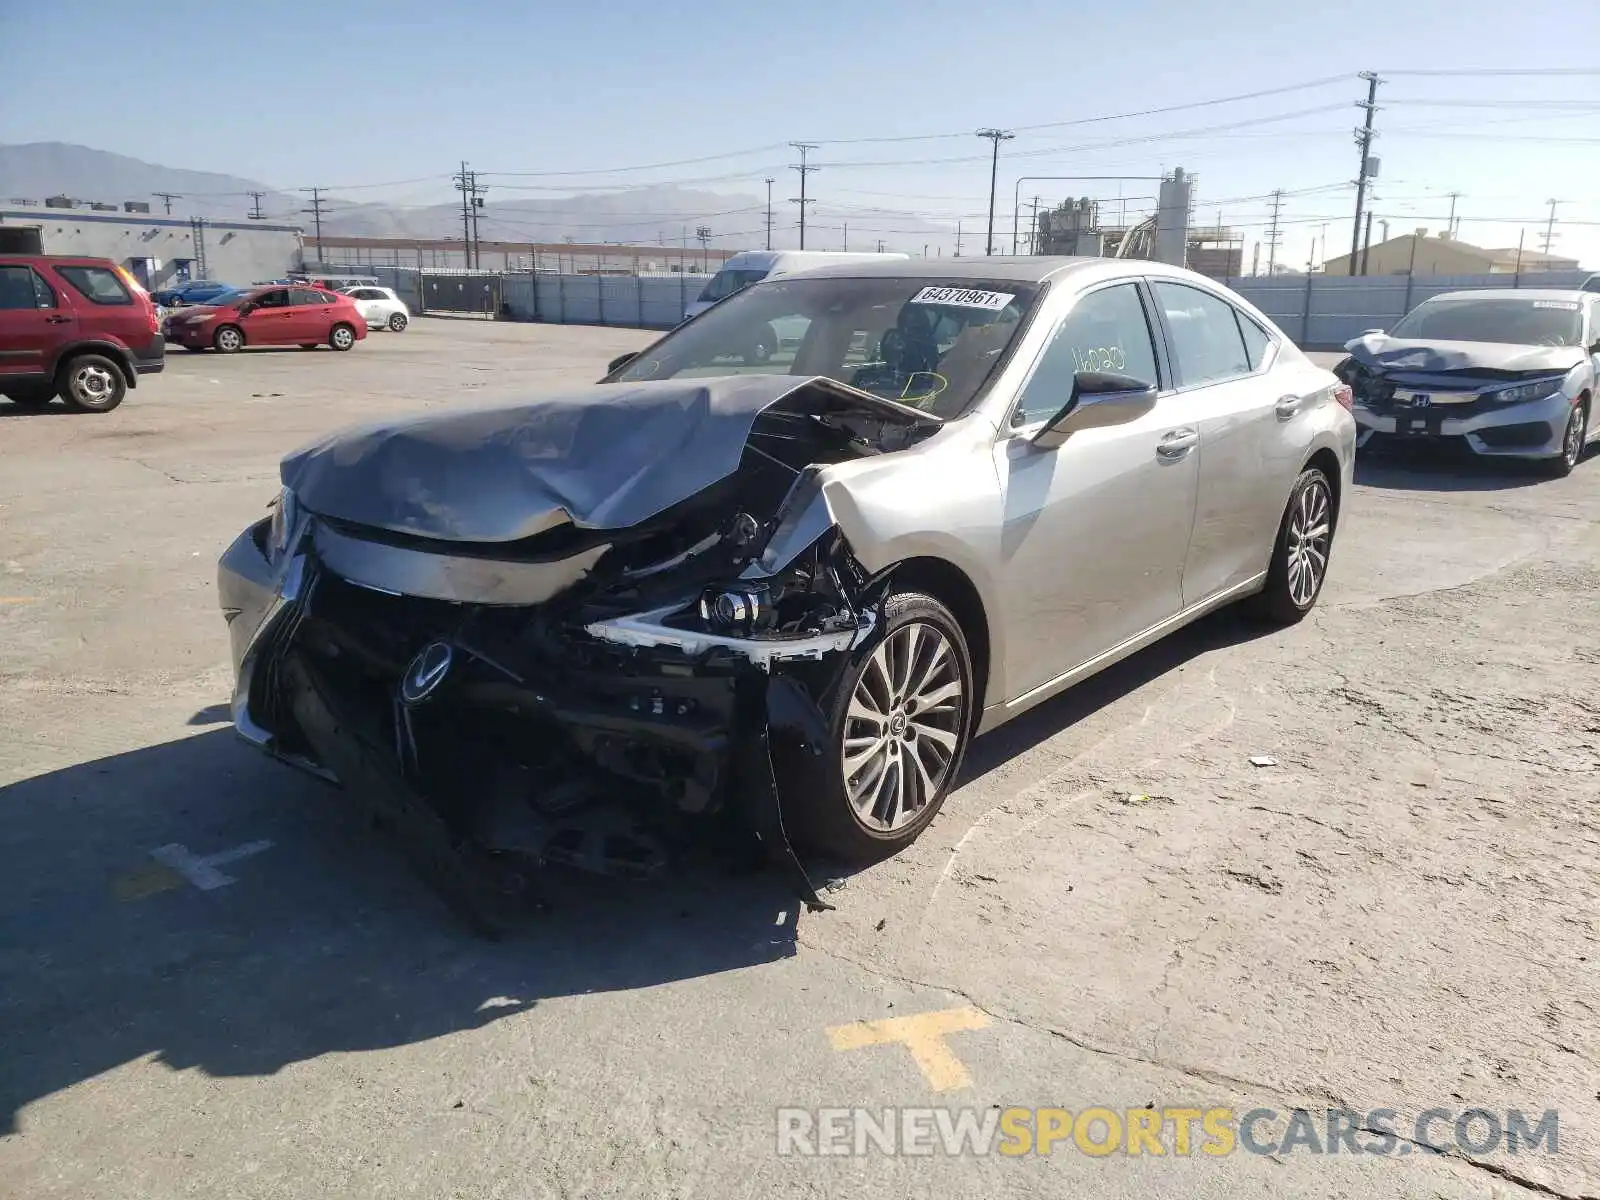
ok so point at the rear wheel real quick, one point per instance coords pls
(899, 722)
(397, 322)
(229, 339)
(92, 383)
(1300, 555)
(341, 337)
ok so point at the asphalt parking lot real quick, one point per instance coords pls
(1116, 909)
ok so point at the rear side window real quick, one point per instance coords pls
(1255, 341)
(21, 287)
(304, 296)
(1205, 334)
(325, 298)
(96, 284)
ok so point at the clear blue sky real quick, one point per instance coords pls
(347, 93)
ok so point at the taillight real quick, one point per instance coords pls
(1345, 395)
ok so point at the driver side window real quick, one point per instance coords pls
(1107, 330)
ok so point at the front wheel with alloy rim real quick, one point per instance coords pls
(397, 322)
(1300, 555)
(899, 721)
(92, 383)
(1572, 441)
(229, 339)
(342, 337)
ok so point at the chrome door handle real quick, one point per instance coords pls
(1287, 406)
(1178, 443)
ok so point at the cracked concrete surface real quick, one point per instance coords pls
(1401, 914)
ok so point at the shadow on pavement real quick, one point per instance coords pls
(325, 941)
(1419, 471)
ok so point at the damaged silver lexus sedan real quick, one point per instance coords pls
(780, 567)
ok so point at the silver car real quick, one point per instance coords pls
(1504, 373)
(787, 587)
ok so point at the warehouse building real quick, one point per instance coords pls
(158, 250)
(1418, 254)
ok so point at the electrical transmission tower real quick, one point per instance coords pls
(805, 148)
(1273, 235)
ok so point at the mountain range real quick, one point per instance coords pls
(649, 215)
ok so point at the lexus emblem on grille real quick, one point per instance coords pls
(426, 672)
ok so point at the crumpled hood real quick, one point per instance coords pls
(1381, 352)
(606, 456)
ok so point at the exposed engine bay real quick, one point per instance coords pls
(513, 662)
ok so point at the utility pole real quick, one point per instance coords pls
(1450, 225)
(958, 239)
(769, 212)
(316, 215)
(1550, 229)
(1366, 245)
(167, 198)
(1033, 227)
(472, 192)
(880, 248)
(255, 213)
(846, 245)
(995, 136)
(805, 148)
(462, 185)
(1364, 137)
(702, 234)
(1273, 235)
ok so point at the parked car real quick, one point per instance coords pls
(1501, 373)
(193, 291)
(752, 266)
(336, 283)
(381, 307)
(788, 592)
(79, 328)
(269, 316)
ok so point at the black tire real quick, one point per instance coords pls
(1572, 443)
(1286, 598)
(821, 812)
(91, 383)
(32, 398)
(228, 339)
(341, 336)
(398, 322)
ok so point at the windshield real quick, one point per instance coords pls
(725, 283)
(930, 343)
(1516, 321)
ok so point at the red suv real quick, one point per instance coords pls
(276, 315)
(80, 328)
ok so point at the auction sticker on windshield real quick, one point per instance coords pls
(963, 297)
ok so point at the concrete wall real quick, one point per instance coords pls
(345, 253)
(238, 252)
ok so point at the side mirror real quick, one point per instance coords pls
(1099, 399)
(622, 360)
(1366, 332)
(245, 309)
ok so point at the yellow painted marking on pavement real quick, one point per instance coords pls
(17, 599)
(924, 1036)
(146, 881)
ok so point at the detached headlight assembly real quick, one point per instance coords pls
(285, 516)
(1524, 392)
(736, 611)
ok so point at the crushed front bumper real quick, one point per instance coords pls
(1530, 430)
(717, 720)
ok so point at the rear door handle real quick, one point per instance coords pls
(1287, 406)
(57, 319)
(1178, 443)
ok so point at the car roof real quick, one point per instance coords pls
(1014, 268)
(1572, 294)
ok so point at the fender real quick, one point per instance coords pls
(116, 352)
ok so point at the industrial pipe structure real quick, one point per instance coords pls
(1016, 198)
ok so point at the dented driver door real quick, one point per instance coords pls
(1095, 530)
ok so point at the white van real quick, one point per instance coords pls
(752, 266)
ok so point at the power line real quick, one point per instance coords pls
(1482, 71)
(805, 148)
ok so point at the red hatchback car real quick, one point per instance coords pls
(275, 315)
(79, 328)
